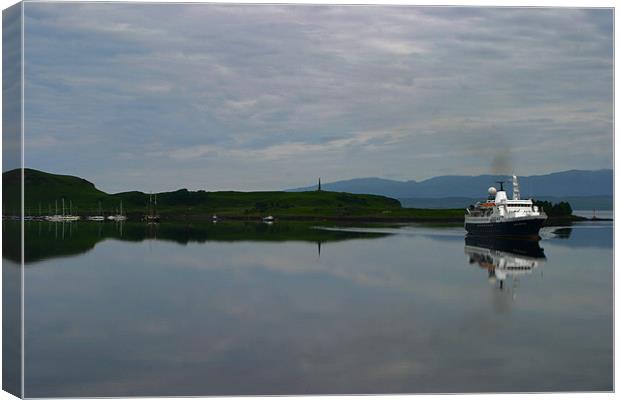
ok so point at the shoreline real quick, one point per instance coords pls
(204, 217)
(551, 221)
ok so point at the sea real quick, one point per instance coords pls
(249, 308)
(606, 214)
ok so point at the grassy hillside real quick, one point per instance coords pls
(43, 191)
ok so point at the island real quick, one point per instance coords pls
(45, 194)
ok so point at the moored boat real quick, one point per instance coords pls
(62, 217)
(120, 216)
(98, 217)
(151, 215)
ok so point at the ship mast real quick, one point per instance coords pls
(516, 193)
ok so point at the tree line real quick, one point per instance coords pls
(560, 209)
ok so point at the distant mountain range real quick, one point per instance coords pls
(577, 202)
(558, 185)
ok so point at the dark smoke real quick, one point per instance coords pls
(502, 163)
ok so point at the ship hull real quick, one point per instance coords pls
(517, 227)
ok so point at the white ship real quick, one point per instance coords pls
(500, 216)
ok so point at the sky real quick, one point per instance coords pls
(157, 97)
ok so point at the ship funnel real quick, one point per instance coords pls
(501, 197)
(516, 194)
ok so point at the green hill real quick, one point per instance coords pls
(43, 191)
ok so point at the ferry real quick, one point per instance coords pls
(500, 216)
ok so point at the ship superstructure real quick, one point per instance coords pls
(501, 216)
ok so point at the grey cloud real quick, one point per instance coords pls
(235, 93)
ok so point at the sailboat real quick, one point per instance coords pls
(98, 217)
(151, 213)
(53, 217)
(70, 217)
(62, 217)
(119, 216)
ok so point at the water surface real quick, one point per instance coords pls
(240, 309)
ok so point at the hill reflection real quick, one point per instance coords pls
(45, 240)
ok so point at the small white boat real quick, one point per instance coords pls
(119, 216)
(269, 218)
(151, 214)
(62, 217)
(98, 217)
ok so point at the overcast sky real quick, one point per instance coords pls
(163, 96)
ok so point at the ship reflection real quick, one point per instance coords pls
(506, 260)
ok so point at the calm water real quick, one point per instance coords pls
(608, 214)
(289, 309)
